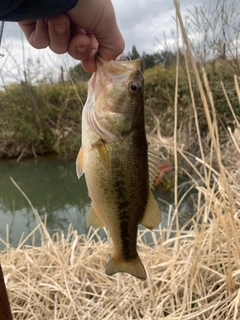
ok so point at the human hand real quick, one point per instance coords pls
(88, 28)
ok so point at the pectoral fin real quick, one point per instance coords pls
(100, 145)
(80, 163)
(152, 215)
(94, 219)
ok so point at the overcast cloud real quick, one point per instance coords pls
(141, 23)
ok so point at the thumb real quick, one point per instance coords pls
(99, 18)
(108, 35)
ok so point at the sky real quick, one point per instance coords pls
(143, 23)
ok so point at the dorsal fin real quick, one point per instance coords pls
(153, 163)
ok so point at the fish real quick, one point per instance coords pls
(119, 167)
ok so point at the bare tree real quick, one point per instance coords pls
(215, 31)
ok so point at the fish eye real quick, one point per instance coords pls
(134, 88)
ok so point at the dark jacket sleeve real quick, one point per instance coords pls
(17, 10)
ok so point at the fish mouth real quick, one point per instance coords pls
(123, 57)
(122, 65)
(116, 72)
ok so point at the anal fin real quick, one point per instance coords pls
(152, 215)
(94, 219)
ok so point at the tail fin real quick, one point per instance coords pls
(133, 267)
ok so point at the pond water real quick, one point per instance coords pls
(53, 188)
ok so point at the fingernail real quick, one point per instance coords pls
(60, 28)
(82, 49)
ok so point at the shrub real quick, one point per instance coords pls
(40, 119)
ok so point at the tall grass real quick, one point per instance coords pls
(40, 119)
(194, 274)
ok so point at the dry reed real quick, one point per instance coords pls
(193, 273)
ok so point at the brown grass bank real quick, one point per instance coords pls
(194, 275)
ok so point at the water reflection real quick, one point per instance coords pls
(53, 188)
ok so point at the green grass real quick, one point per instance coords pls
(47, 118)
(41, 119)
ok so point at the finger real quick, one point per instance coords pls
(36, 32)
(59, 33)
(102, 23)
(109, 47)
(83, 46)
(80, 45)
(89, 64)
(108, 35)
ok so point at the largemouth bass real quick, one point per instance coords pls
(114, 158)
